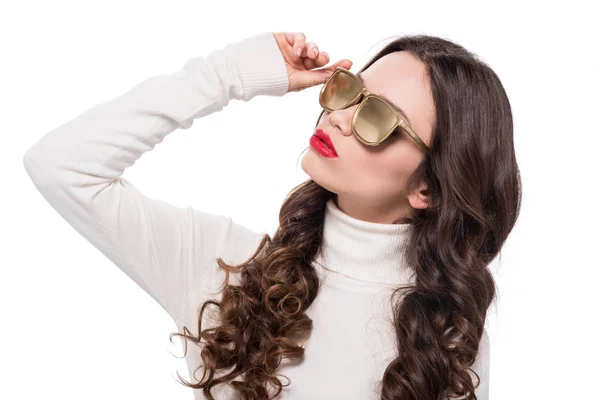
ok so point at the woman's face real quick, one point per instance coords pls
(370, 181)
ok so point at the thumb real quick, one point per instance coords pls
(315, 77)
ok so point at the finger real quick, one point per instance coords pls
(312, 50)
(345, 63)
(299, 42)
(289, 36)
(342, 63)
(322, 59)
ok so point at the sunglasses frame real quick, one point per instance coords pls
(364, 92)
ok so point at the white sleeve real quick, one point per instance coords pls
(77, 167)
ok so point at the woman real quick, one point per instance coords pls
(375, 284)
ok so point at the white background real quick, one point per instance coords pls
(74, 326)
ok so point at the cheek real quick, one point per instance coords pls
(387, 173)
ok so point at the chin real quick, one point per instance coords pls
(317, 175)
(309, 165)
(318, 171)
(303, 161)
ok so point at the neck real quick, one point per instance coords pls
(364, 250)
(381, 213)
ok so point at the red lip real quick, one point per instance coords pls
(321, 134)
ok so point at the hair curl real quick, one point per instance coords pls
(475, 194)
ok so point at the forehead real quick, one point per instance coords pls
(402, 79)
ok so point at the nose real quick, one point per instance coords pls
(342, 119)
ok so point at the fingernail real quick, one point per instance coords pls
(299, 51)
(326, 55)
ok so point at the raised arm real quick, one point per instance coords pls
(77, 167)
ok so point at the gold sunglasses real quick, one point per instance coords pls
(374, 120)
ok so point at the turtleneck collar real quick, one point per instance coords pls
(363, 250)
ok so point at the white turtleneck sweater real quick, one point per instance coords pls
(171, 252)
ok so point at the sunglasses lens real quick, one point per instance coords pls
(340, 91)
(374, 120)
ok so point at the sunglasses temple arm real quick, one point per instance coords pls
(417, 139)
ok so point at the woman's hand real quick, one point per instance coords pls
(301, 67)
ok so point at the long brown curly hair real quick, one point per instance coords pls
(475, 195)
